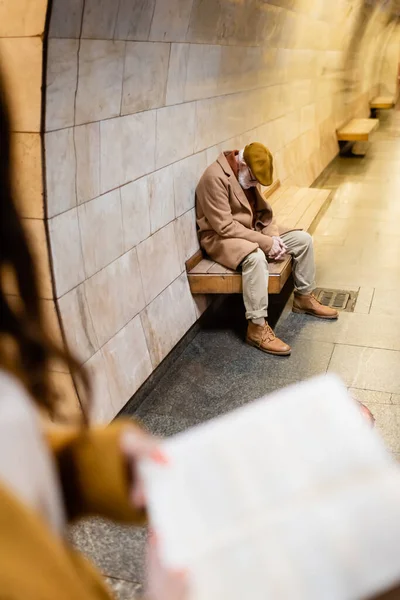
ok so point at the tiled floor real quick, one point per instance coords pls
(357, 247)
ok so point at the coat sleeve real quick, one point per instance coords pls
(93, 472)
(214, 201)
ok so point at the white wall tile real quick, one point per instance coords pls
(162, 199)
(202, 71)
(66, 251)
(127, 361)
(101, 65)
(115, 296)
(167, 319)
(171, 20)
(77, 324)
(134, 19)
(171, 145)
(66, 19)
(159, 261)
(177, 73)
(60, 171)
(87, 147)
(102, 409)
(127, 149)
(100, 222)
(62, 80)
(99, 19)
(187, 174)
(186, 236)
(135, 212)
(145, 76)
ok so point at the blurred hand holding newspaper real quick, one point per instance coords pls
(290, 497)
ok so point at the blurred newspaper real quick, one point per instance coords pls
(290, 497)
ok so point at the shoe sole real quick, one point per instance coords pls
(255, 345)
(300, 311)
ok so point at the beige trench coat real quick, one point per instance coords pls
(224, 217)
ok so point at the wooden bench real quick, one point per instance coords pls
(357, 130)
(382, 102)
(294, 207)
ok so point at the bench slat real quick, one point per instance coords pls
(357, 130)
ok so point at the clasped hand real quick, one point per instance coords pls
(278, 249)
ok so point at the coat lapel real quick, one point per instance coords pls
(239, 193)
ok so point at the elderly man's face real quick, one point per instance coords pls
(245, 176)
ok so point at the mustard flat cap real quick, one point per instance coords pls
(259, 159)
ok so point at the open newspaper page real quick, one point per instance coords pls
(290, 497)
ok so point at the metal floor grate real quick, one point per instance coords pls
(344, 300)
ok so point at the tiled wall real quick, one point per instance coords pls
(22, 24)
(141, 96)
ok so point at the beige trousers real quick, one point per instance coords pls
(255, 273)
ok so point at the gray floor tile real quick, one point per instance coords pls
(117, 550)
(386, 302)
(215, 375)
(124, 590)
(387, 423)
(367, 368)
(395, 399)
(375, 331)
(365, 396)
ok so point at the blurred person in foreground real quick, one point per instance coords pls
(51, 475)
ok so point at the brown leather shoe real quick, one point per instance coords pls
(309, 305)
(263, 338)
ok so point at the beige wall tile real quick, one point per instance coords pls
(101, 65)
(87, 148)
(37, 239)
(186, 236)
(99, 19)
(26, 160)
(167, 319)
(134, 19)
(77, 324)
(145, 76)
(60, 171)
(62, 80)
(135, 212)
(170, 20)
(204, 22)
(66, 252)
(102, 410)
(202, 72)
(171, 145)
(177, 73)
(66, 19)
(22, 18)
(187, 174)
(159, 261)
(128, 363)
(162, 198)
(21, 64)
(115, 296)
(101, 219)
(127, 149)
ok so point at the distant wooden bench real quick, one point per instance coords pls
(383, 102)
(357, 130)
(294, 207)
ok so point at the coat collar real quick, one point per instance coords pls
(262, 204)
